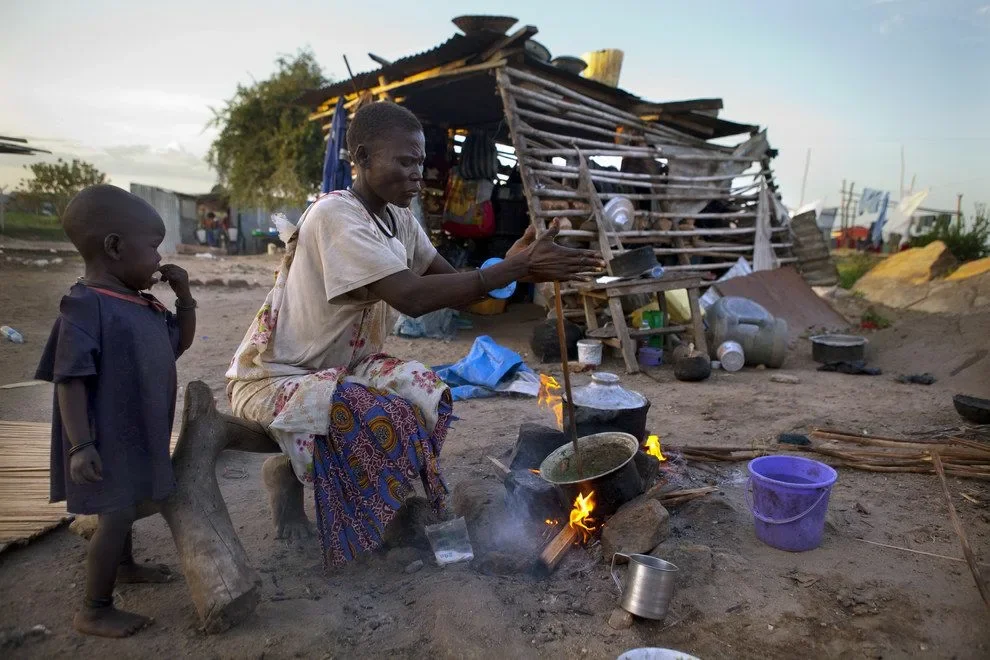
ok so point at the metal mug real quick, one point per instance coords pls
(649, 585)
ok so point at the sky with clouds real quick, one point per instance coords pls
(129, 85)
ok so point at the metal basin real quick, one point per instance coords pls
(838, 348)
(972, 408)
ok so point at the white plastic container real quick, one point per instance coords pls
(589, 352)
(656, 654)
(731, 355)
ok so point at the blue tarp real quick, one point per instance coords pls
(484, 368)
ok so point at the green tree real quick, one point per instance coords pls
(268, 153)
(58, 182)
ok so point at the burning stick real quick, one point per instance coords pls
(562, 339)
(556, 549)
(579, 524)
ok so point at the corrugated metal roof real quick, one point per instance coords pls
(457, 47)
(698, 124)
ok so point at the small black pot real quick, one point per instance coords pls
(828, 349)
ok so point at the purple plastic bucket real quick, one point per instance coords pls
(650, 357)
(790, 500)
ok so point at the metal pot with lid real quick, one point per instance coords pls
(604, 405)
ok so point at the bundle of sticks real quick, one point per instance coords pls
(960, 457)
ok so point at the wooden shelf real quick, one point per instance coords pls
(610, 333)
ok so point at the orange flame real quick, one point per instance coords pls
(581, 514)
(536, 472)
(547, 397)
(653, 448)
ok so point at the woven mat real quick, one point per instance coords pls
(25, 512)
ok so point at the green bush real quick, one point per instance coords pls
(964, 244)
(854, 266)
(32, 226)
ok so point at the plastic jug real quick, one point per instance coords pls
(763, 338)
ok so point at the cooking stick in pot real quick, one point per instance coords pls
(569, 400)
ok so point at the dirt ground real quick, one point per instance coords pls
(736, 598)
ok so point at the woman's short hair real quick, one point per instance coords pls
(376, 120)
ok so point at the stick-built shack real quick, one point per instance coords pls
(702, 187)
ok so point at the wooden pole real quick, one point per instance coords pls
(974, 567)
(959, 211)
(842, 207)
(804, 179)
(569, 400)
(902, 173)
(849, 201)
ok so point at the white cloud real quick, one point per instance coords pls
(984, 10)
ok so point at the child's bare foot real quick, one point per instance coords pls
(108, 622)
(133, 573)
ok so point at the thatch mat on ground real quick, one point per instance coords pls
(25, 511)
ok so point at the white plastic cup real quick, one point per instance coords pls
(589, 352)
(731, 355)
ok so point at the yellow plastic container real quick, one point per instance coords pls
(604, 66)
(488, 307)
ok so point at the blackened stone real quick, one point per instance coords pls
(535, 443)
(527, 491)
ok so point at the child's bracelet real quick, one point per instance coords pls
(185, 308)
(82, 445)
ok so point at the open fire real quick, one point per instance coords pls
(653, 448)
(548, 397)
(581, 518)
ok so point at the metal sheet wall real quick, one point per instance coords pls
(167, 205)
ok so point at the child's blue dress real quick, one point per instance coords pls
(124, 347)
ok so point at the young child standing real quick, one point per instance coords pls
(112, 358)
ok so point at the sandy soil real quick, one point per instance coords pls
(736, 598)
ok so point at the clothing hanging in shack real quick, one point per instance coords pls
(479, 156)
(336, 163)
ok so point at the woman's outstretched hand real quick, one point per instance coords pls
(546, 261)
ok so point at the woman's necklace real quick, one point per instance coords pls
(374, 216)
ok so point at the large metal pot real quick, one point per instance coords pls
(609, 471)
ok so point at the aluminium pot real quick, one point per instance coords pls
(609, 471)
(604, 405)
(828, 349)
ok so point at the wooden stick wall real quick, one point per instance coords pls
(549, 122)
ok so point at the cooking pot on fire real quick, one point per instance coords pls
(604, 405)
(607, 469)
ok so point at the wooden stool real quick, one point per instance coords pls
(621, 336)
